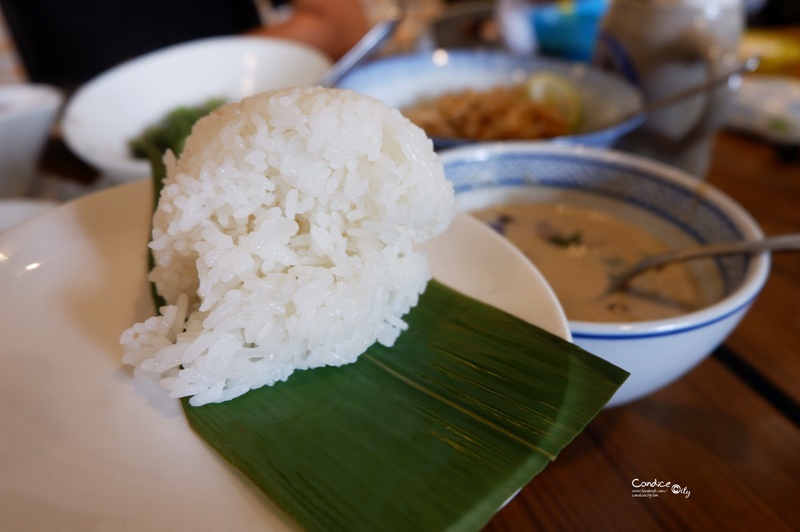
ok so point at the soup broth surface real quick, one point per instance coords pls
(577, 249)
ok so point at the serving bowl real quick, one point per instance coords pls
(27, 113)
(611, 106)
(656, 197)
(116, 106)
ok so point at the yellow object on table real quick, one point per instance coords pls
(779, 54)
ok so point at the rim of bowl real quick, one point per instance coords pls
(21, 98)
(131, 166)
(603, 134)
(737, 300)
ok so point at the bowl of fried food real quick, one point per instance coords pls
(464, 96)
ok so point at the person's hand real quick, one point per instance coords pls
(331, 26)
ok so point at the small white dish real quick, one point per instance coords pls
(86, 446)
(116, 106)
(27, 113)
(15, 211)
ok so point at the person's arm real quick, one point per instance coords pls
(331, 26)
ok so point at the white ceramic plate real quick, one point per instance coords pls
(84, 445)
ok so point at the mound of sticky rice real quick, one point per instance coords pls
(284, 239)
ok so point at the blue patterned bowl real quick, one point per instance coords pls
(611, 105)
(654, 352)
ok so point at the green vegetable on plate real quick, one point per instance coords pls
(170, 132)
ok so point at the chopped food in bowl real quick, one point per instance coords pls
(544, 106)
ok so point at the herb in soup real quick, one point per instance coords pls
(577, 249)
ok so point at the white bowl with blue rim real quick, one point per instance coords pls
(611, 106)
(657, 352)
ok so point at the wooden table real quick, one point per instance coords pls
(728, 432)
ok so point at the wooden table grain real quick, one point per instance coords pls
(768, 185)
(732, 452)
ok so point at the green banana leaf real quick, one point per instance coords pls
(435, 433)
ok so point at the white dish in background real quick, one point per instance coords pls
(116, 106)
(768, 106)
(27, 113)
(15, 211)
(84, 445)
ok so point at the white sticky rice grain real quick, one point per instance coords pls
(284, 239)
